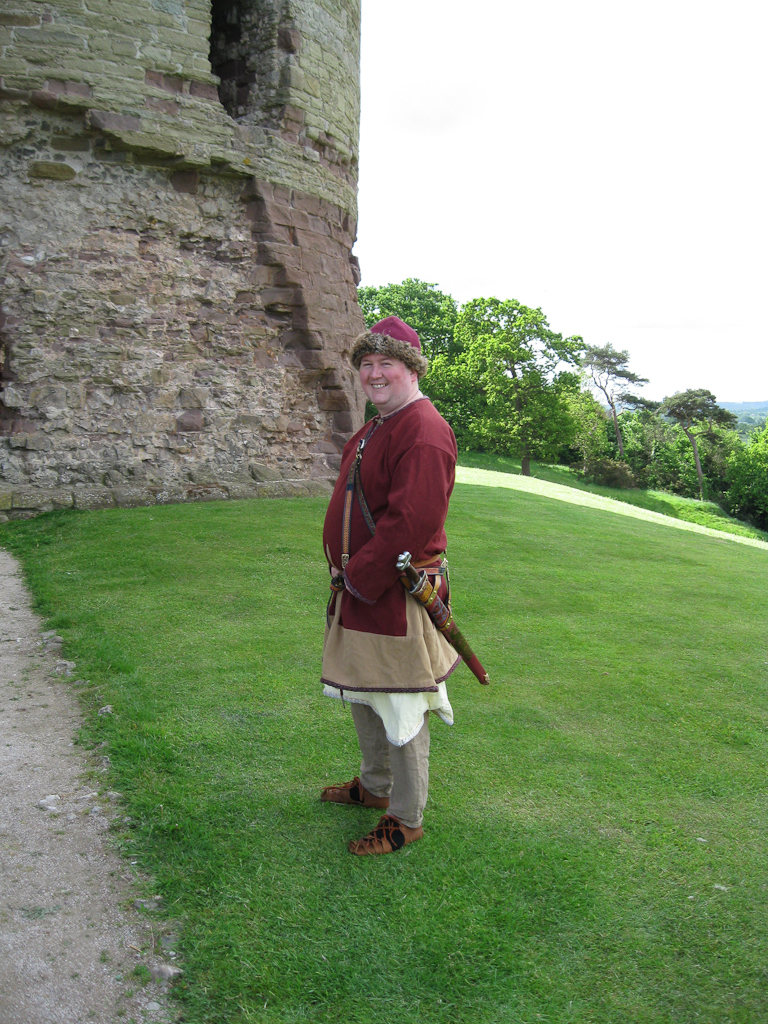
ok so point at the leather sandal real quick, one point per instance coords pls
(353, 792)
(388, 836)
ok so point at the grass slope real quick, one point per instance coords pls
(595, 836)
(690, 510)
(576, 496)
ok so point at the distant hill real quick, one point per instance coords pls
(738, 407)
(750, 416)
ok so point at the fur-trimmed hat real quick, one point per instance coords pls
(391, 337)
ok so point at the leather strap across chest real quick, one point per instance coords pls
(354, 486)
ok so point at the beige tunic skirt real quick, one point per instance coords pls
(400, 677)
(372, 662)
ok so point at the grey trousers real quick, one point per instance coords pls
(401, 773)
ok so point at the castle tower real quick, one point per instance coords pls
(178, 207)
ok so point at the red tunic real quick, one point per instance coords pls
(407, 476)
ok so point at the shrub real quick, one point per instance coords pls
(608, 473)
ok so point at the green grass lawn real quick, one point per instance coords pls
(595, 838)
(690, 510)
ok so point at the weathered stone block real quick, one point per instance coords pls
(168, 82)
(289, 39)
(343, 423)
(85, 498)
(46, 36)
(206, 494)
(32, 499)
(124, 48)
(53, 170)
(263, 473)
(204, 91)
(133, 497)
(111, 123)
(248, 420)
(18, 18)
(325, 447)
(275, 424)
(192, 398)
(313, 359)
(332, 399)
(69, 88)
(320, 487)
(295, 489)
(62, 498)
(38, 442)
(193, 419)
(171, 107)
(173, 495)
(71, 144)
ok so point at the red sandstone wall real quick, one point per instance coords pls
(177, 303)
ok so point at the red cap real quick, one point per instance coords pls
(396, 328)
(394, 338)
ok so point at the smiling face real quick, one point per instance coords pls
(387, 382)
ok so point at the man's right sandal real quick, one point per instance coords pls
(388, 836)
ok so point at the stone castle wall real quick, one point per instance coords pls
(178, 290)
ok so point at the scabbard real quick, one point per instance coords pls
(417, 583)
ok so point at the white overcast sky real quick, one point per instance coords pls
(603, 160)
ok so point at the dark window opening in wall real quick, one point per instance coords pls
(247, 53)
(228, 58)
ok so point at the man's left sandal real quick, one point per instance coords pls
(388, 836)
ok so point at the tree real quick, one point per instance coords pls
(516, 367)
(590, 424)
(608, 370)
(652, 450)
(431, 313)
(457, 396)
(697, 413)
(748, 480)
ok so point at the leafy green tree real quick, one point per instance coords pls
(608, 370)
(458, 396)
(518, 370)
(748, 480)
(716, 451)
(589, 427)
(697, 413)
(657, 452)
(430, 312)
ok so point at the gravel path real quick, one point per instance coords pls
(71, 937)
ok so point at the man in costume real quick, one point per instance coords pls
(382, 652)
